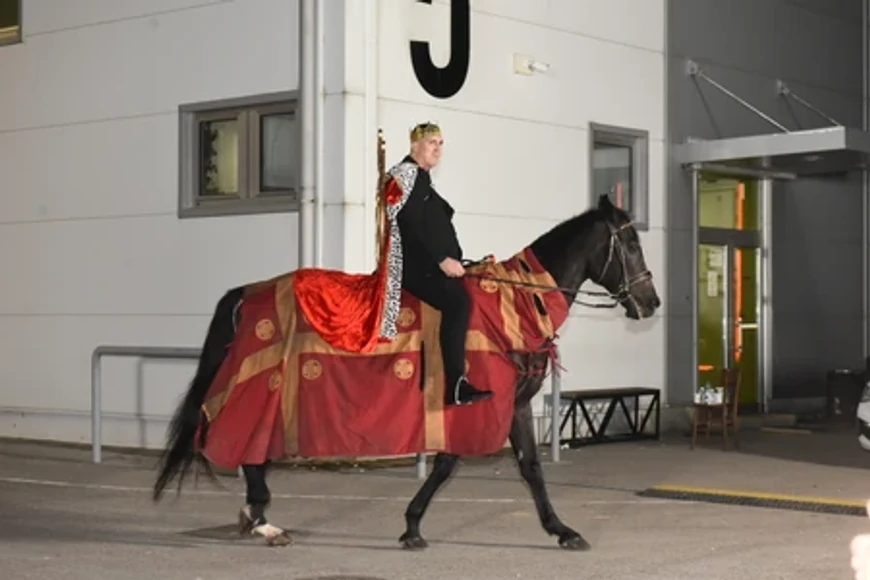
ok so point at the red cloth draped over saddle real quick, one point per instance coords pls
(283, 390)
(308, 373)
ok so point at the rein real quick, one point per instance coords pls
(550, 288)
(624, 292)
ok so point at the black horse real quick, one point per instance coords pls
(600, 244)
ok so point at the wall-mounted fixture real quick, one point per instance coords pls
(527, 65)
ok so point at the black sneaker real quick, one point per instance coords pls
(465, 394)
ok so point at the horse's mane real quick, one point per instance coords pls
(552, 248)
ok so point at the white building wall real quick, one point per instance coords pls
(516, 159)
(90, 243)
(91, 247)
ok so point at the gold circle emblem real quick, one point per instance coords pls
(403, 368)
(275, 381)
(488, 286)
(312, 369)
(265, 329)
(406, 317)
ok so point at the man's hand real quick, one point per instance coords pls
(452, 267)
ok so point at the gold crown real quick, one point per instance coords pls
(424, 130)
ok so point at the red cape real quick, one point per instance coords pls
(345, 309)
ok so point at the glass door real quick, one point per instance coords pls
(713, 348)
(729, 284)
(728, 315)
(746, 309)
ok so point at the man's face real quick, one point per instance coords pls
(427, 150)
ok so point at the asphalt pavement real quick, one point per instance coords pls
(65, 518)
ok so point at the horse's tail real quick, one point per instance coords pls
(180, 449)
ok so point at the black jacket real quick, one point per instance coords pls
(426, 225)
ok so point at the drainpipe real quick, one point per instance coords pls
(320, 91)
(865, 180)
(370, 127)
(693, 289)
(307, 130)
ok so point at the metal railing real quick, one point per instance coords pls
(555, 409)
(154, 352)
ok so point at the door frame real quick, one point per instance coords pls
(732, 240)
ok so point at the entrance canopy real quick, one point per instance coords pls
(784, 155)
(796, 153)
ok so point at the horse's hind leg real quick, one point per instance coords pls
(252, 517)
(443, 467)
(257, 498)
(523, 443)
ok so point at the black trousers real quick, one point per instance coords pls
(448, 295)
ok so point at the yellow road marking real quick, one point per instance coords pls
(760, 495)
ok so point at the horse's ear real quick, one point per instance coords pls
(607, 209)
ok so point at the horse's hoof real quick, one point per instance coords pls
(273, 535)
(282, 539)
(410, 542)
(574, 542)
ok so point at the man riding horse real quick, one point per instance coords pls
(429, 255)
(418, 251)
(253, 398)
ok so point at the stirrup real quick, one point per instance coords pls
(475, 396)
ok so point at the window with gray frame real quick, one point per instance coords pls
(619, 168)
(239, 156)
(10, 21)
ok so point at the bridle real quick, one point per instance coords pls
(623, 292)
(616, 252)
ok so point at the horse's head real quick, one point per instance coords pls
(618, 263)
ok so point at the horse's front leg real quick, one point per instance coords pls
(443, 467)
(526, 451)
(252, 517)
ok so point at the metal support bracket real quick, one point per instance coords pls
(783, 90)
(694, 70)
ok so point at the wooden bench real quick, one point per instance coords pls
(616, 397)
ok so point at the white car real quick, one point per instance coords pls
(864, 418)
